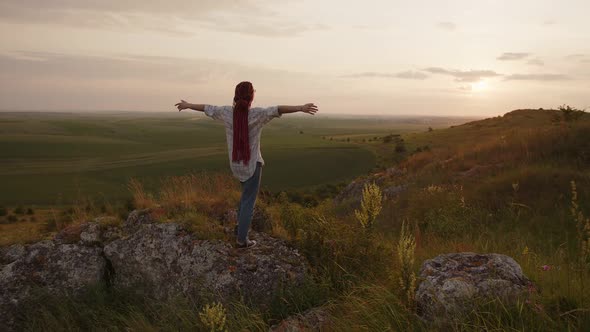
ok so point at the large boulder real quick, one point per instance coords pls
(166, 260)
(161, 259)
(453, 283)
(54, 267)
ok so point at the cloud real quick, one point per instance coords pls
(468, 76)
(512, 56)
(155, 70)
(575, 56)
(450, 26)
(537, 77)
(39, 80)
(582, 58)
(410, 75)
(172, 17)
(83, 67)
(536, 62)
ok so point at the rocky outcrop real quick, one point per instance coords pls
(163, 258)
(167, 260)
(453, 283)
(57, 268)
(354, 191)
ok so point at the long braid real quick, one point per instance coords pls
(241, 143)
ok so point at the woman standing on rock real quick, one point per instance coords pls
(243, 126)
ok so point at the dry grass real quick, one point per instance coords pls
(211, 194)
(21, 232)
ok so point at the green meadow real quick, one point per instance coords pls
(51, 159)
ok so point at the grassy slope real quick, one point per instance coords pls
(495, 185)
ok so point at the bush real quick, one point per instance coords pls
(12, 218)
(370, 206)
(261, 220)
(570, 113)
(214, 317)
(406, 248)
(400, 147)
(3, 211)
(19, 210)
(30, 211)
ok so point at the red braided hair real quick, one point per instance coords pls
(242, 100)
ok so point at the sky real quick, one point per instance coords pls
(390, 57)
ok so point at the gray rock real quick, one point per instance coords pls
(57, 268)
(11, 253)
(393, 191)
(452, 283)
(316, 319)
(354, 191)
(164, 257)
(165, 260)
(92, 233)
(137, 218)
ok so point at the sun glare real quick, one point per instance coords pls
(479, 86)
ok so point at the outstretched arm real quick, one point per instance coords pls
(184, 105)
(310, 108)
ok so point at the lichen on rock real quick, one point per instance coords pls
(453, 283)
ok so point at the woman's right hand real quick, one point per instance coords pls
(182, 105)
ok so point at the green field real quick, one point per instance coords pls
(57, 158)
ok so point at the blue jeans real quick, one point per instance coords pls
(250, 189)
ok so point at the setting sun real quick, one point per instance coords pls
(479, 86)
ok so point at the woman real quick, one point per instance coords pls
(243, 126)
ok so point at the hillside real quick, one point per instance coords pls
(516, 185)
(525, 158)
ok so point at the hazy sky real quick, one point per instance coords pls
(451, 57)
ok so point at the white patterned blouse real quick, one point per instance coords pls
(257, 118)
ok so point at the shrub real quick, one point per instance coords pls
(293, 217)
(371, 204)
(214, 317)
(19, 210)
(406, 247)
(400, 147)
(261, 220)
(3, 211)
(12, 218)
(570, 113)
(30, 211)
(583, 229)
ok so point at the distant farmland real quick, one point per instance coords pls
(56, 158)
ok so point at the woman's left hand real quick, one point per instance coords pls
(310, 108)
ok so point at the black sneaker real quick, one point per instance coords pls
(248, 244)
